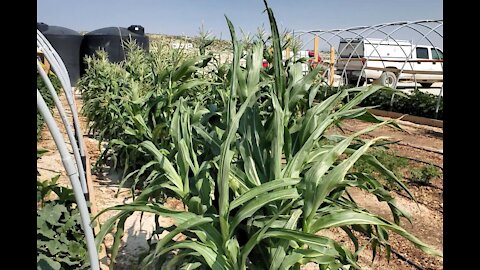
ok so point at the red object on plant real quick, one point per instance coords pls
(312, 54)
(265, 64)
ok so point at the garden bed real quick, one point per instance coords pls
(259, 169)
(410, 118)
(427, 217)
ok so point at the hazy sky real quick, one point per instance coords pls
(184, 17)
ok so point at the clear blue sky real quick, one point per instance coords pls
(184, 17)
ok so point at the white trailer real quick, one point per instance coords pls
(388, 61)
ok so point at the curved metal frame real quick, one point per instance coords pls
(75, 170)
(68, 128)
(423, 28)
(59, 68)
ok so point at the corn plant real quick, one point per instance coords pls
(260, 179)
(205, 39)
(133, 101)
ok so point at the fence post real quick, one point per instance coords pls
(332, 61)
(295, 51)
(315, 49)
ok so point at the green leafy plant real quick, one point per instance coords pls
(205, 39)
(60, 238)
(257, 177)
(134, 100)
(416, 103)
(386, 157)
(425, 174)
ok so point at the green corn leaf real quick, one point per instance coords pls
(251, 207)
(214, 260)
(259, 235)
(262, 189)
(279, 72)
(277, 140)
(280, 251)
(117, 239)
(254, 67)
(349, 217)
(164, 163)
(192, 223)
(290, 260)
(334, 177)
(188, 85)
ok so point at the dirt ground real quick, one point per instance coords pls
(422, 144)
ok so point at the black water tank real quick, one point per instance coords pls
(110, 39)
(67, 44)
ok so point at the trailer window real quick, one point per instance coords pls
(437, 54)
(422, 53)
(352, 49)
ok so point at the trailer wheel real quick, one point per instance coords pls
(388, 79)
(355, 81)
(426, 85)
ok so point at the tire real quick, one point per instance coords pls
(388, 79)
(354, 82)
(426, 85)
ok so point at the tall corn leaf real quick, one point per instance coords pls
(214, 260)
(254, 64)
(350, 217)
(251, 207)
(277, 128)
(189, 224)
(280, 251)
(264, 188)
(333, 178)
(165, 165)
(279, 71)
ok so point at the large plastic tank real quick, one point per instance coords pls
(67, 44)
(111, 40)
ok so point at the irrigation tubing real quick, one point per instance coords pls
(72, 174)
(68, 128)
(405, 259)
